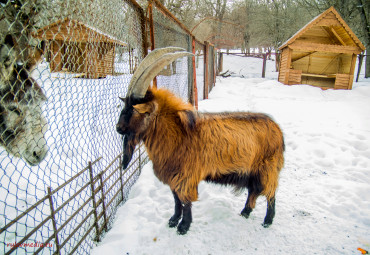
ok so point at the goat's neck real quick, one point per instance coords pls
(164, 134)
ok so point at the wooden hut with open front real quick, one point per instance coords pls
(323, 53)
(78, 48)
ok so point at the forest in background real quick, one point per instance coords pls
(251, 24)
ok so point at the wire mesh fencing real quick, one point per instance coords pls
(176, 77)
(180, 75)
(63, 65)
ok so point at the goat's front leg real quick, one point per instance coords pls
(174, 220)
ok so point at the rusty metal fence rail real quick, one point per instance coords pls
(63, 65)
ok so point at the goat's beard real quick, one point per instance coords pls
(128, 149)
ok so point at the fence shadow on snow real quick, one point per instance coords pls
(63, 65)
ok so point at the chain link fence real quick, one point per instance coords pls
(63, 65)
(176, 77)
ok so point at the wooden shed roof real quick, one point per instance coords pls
(328, 28)
(74, 31)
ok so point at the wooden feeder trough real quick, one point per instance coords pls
(78, 48)
(323, 53)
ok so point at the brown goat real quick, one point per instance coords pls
(241, 149)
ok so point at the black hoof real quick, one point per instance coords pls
(173, 221)
(183, 228)
(246, 212)
(267, 224)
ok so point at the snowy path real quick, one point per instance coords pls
(323, 200)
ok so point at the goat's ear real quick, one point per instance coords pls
(146, 108)
(188, 119)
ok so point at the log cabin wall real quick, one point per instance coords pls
(74, 47)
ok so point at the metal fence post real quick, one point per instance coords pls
(52, 213)
(190, 71)
(152, 39)
(214, 54)
(97, 238)
(195, 88)
(206, 79)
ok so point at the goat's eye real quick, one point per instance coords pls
(15, 110)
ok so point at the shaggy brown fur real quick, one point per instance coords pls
(242, 149)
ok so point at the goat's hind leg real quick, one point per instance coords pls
(174, 220)
(270, 212)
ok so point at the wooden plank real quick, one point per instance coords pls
(352, 71)
(337, 36)
(289, 58)
(283, 65)
(342, 81)
(330, 76)
(306, 46)
(294, 77)
(302, 55)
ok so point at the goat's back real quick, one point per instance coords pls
(236, 142)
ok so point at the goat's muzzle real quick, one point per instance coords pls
(120, 130)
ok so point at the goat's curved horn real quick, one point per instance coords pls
(147, 61)
(151, 71)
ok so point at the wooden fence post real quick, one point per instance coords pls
(139, 157)
(121, 175)
(97, 238)
(103, 201)
(52, 212)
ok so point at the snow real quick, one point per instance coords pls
(322, 204)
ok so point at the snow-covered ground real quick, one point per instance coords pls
(323, 200)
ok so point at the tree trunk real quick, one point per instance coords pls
(366, 26)
(367, 65)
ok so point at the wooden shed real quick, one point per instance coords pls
(78, 48)
(323, 53)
